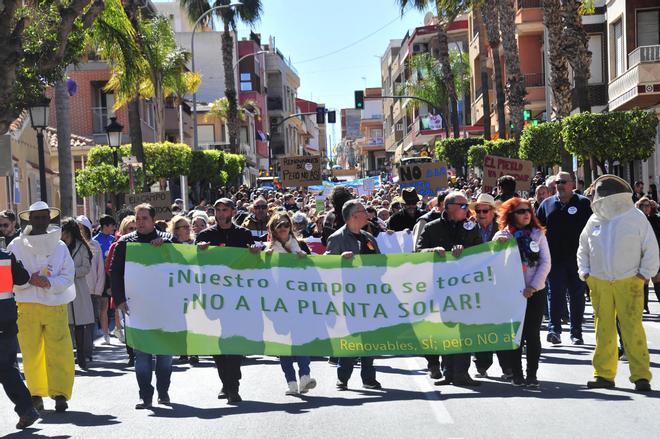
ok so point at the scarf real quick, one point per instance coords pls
(526, 245)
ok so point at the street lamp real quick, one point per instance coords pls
(192, 60)
(39, 113)
(113, 131)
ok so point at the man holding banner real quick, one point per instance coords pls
(454, 232)
(348, 241)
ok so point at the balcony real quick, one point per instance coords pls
(275, 103)
(534, 80)
(597, 95)
(529, 16)
(535, 85)
(639, 86)
(528, 4)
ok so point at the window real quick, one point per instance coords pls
(617, 32)
(246, 82)
(596, 68)
(205, 134)
(648, 27)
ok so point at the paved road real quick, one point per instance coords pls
(102, 405)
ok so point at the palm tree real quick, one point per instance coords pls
(446, 13)
(63, 112)
(491, 20)
(559, 78)
(514, 78)
(483, 68)
(430, 86)
(249, 12)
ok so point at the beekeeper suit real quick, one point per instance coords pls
(617, 255)
(43, 326)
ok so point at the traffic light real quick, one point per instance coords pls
(320, 115)
(527, 114)
(359, 99)
(332, 117)
(535, 122)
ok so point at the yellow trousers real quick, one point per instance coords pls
(623, 299)
(43, 333)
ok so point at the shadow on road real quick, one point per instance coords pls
(79, 419)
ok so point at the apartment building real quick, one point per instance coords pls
(371, 147)
(317, 133)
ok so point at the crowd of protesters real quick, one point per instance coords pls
(67, 275)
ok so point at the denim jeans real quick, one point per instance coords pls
(10, 377)
(143, 371)
(562, 279)
(290, 372)
(345, 369)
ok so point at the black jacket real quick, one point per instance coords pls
(235, 236)
(402, 221)
(446, 234)
(8, 314)
(118, 263)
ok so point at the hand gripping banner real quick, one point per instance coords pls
(185, 301)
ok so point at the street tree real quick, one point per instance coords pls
(428, 84)
(483, 67)
(248, 12)
(542, 144)
(39, 40)
(455, 151)
(490, 15)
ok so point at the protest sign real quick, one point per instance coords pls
(320, 205)
(161, 201)
(495, 167)
(230, 301)
(426, 178)
(301, 171)
(397, 242)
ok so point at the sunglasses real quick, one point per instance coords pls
(261, 207)
(484, 211)
(522, 211)
(460, 205)
(283, 226)
(561, 181)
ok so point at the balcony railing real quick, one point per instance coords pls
(644, 54)
(275, 103)
(534, 80)
(529, 4)
(99, 119)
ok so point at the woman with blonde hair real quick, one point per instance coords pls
(282, 240)
(179, 227)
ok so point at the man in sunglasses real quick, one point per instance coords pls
(257, 221)
(564, 215)
(8, 226)
(452, 232)
(406, 218)
(227, 234)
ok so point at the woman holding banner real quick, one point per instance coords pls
(517, 220)
(282, 240)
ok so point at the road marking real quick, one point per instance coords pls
(426, 385)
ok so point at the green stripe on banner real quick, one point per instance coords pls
(419, 338)
(242, 259)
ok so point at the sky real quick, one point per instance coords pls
(307, 29)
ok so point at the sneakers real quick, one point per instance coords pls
(554, 338)
(144, 405)
(532, 382)
(600, 383)
(372, 385)
(306, 383)
(577, 341)
(642, 385)
(106, 339)
(60, 404)
(119, 334)
(222, 394)
(434, 372)
(293, 388)
(507, 375)
(341, 385)
(518, 381)
(38, 403)
(28, 419)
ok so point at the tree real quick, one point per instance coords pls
(476, 155)
(455, 151)
(249, 12)
(64, 161)
(500, 147)
(559, 78)
(38, 40)
(490, 15)
(220, 109)
(609, 137)
(483, 69)
(514, 78)
(430, 85)
(100, 179)
(446, 13)
(542, 143)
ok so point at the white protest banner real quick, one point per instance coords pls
(397, 242)
(230, 301)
